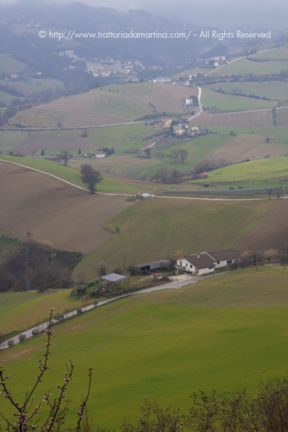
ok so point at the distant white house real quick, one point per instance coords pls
(100, 155)
(188, 102)
(198, 264)
(147, 195)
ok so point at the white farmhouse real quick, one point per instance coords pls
(198, 264)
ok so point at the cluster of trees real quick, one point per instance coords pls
(206, 165)
(179, 154)
(167, 176)
(37, 266)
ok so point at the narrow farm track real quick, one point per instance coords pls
(40, 328)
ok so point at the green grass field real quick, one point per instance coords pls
(275, 53)
(9, 65)
(275, 90)
(227, 332)
(29, 86)
(72, 175)
(158, 228)
(252, 171)
(130, 166)
(123, 99)
(232, 103)
(244, 66)
(22, 310)
(5, 97)
(121, 138)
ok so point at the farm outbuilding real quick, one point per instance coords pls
(113, 278)
(149, 267)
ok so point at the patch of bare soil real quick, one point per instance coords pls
(53, 212)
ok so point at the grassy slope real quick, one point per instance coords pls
(8, 65)
(226, 332)
(244, 66)
(10, 140)
(71, 174)
(118, 103)
(232, 103)
(157, 228)
(274, 53)
(30, 85)
(21, 310)
(258, 170)
(276, 90)
(279, 133)
(133, 167)
(121, 138)
(6, 97)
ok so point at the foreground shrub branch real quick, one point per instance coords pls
(27, 418)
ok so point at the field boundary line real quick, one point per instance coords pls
(67, 128)
(133, 195)
(44, 172)
(61, 179)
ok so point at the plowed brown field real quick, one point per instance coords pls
(51, 211)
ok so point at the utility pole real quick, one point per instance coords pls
(124, 261)
(27, 280)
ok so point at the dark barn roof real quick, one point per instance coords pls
(201, 260)
(225, 255)
(153, 264)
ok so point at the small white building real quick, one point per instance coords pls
(188, 102)
(198, 264)
(100, 155)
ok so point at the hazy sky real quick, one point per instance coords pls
(165, 4)
(218, 12)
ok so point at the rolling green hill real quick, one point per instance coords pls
(21, 310)
(246, 66)
(226, 332)
(253, 173)
(158, 228)
(9, 65)
(225, 102)
(111, 104)
(275, 90)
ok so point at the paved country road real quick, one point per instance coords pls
(40, 328)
